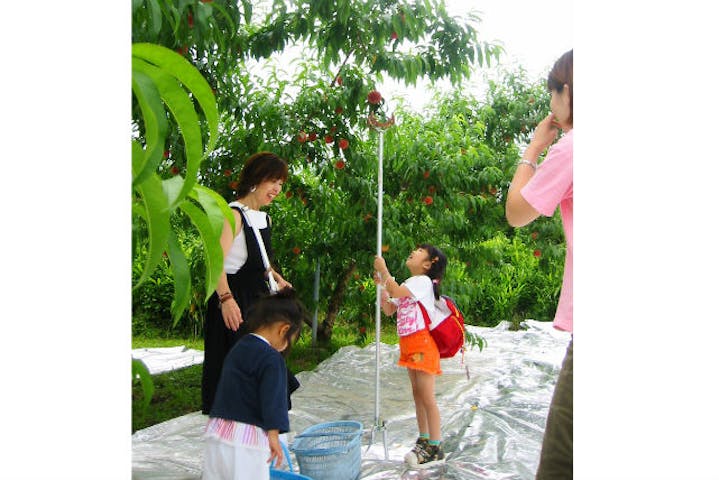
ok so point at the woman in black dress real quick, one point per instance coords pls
(244, 278)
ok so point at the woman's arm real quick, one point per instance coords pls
(281, 282)
(231, 313)
(518, 211)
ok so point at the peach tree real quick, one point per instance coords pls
(447, 171)
(446, 175)
(403, 40)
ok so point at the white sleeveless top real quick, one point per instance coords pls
(237, 256)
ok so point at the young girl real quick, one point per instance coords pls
(418, 352)
(250, 407)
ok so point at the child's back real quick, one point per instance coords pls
(253, 386)
(250, 407)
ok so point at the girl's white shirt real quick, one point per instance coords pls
(261, 338)
(409, 316)
(237, 256)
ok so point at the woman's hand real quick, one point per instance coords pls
(231, 314)
(282, 283)
(543, 136)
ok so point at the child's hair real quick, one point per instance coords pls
(439, 264)
(283, 307)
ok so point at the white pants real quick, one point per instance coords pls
(224, 461)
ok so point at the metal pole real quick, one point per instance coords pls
(379, 423)
(378, 312)
(316, 298)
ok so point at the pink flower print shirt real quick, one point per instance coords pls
(409, 316)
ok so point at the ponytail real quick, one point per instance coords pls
(436, 270)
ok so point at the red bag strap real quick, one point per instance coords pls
(424, 314)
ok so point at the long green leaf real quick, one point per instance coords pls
(190, 77)
(155, 16)
(157, 215)
(232, 26)
(212, 203)
(211, 243)
(172, 187)
(148, 388)
(155, 121)
(224, 208)
(182, 108)
(181, 275)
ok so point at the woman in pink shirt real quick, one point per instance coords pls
(538, 189)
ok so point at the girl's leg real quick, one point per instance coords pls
(429, 451)
(422, 424)
(423, 391)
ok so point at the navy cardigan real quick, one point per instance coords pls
(253, 386)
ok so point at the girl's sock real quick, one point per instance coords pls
(424, 435)
(435, 443)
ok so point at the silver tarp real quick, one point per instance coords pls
(492, 422)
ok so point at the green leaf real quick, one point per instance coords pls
(190, 77)
(172, 187)
(247, 6)
(215, 206)
(182, 108)
(181, 275)
(155, 16)
(148, 388)
(155, 125)
(203, 13)
(157, 215)
(223, 11)
(211, 244)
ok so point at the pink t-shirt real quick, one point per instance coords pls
(551, 186)
(409, 317)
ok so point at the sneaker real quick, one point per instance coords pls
(423, 455)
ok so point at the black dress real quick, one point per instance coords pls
(247, 285)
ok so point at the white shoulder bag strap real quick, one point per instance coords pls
(265, 259)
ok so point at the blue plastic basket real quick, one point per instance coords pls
(285, 475)
(330, 451)
(276, 474)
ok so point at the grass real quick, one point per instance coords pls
(177, 393)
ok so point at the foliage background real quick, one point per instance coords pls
(446, 169)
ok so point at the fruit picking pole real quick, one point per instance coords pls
(379, 424)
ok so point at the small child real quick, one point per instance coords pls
(250, 407)
(418, 352)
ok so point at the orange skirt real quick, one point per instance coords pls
(419, 352)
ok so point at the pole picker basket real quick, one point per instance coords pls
(330, 451)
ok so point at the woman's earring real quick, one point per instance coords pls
(253, 189)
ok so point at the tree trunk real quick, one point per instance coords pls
(324, 331)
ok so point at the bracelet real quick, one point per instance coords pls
(528, 162)
(226, 296)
